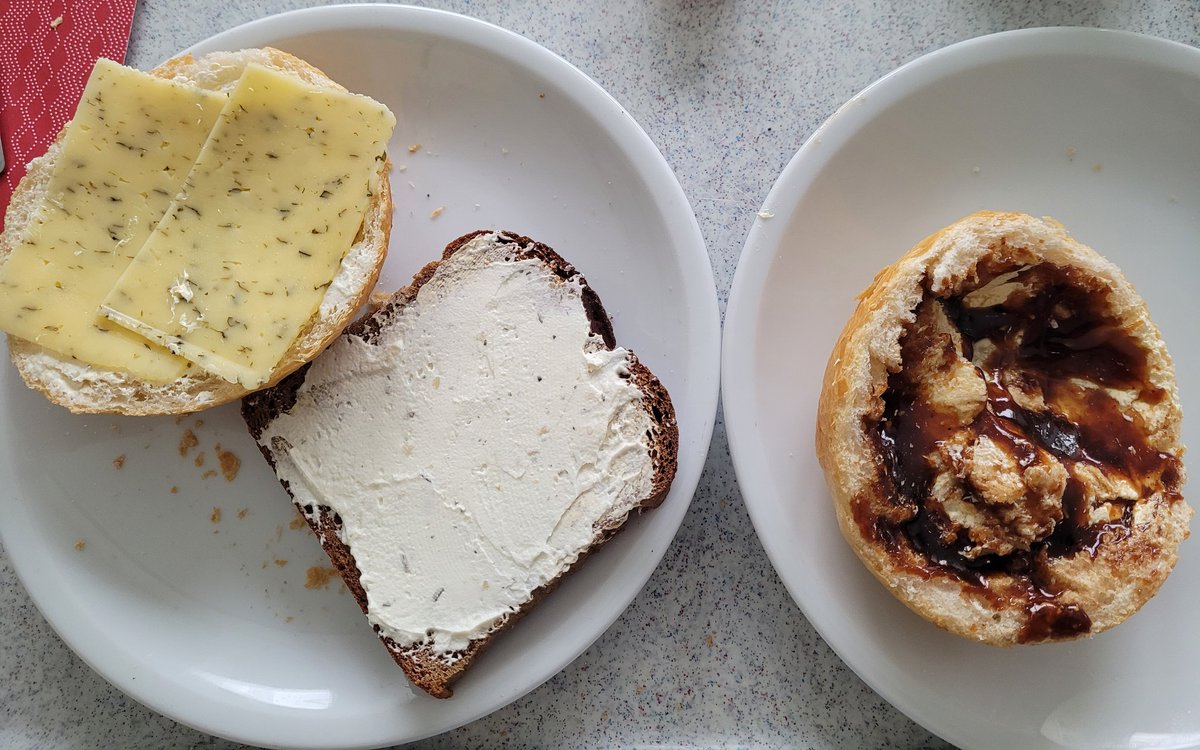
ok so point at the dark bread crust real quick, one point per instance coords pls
(426, 669)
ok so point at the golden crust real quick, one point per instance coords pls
(88, 389)
(1126, 569)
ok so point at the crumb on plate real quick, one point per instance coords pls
(318, 577)
(230, 463)
(187, 442)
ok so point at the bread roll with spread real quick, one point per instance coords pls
(462, 449)
(194, 233)
(1000, 430)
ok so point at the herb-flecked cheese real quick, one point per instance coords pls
(243, 257)
(121, 161)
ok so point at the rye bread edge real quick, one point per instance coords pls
(424, 668)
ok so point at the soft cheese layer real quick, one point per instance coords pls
(243, 257)
(121, 161)
(473, 451)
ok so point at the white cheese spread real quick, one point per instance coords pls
(473, 451)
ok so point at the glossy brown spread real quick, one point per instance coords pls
(1008, 438)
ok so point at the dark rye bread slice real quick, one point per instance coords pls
(427, 669)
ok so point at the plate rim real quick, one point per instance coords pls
(695, 266)
(765, 238)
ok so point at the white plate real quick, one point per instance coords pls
(195, 618)
(1098, 129)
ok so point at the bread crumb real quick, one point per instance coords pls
(55, 23)
(280, 563)
(230, 463)
(709, 640)
(402, 168)
(604, 716)
(242, 513)
(724, 501)
(80, 544)
(414, 148)
(765, 214)
(1097, 167)
(504, 151)
(187, 442)
(318, 577)
(541, 96)
(119, 461)
(975, 170)
(1071, 153)
(199, 459)
(437, 212)
(377, 299)
(289, 618)
(174, 490)
(216, 515)
(209, 474)
(639, 690)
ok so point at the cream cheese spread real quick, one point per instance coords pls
(473, 451)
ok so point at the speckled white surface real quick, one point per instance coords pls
(713, 652)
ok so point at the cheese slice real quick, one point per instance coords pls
(121, 161)
(242, 259)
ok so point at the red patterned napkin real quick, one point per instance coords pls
(47, 49)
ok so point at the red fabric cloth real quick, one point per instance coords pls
(47, 49)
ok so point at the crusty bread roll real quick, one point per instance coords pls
(89, 389)
(1000, 430)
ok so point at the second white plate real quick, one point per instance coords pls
(195, 594)
(1100, 130)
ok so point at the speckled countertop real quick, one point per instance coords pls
(728, 91)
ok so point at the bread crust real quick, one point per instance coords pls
(1128, 565)
(84, 388)
(433, 672)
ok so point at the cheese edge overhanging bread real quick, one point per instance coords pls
(434, 672)
(84, 388)
(1124, 572)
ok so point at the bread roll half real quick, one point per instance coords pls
(1000, 430)
(85, 388)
